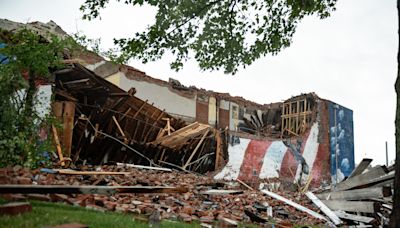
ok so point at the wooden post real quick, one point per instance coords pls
(58, 145)
(218, 149)
(120, 129)
(68, 123)
(195, 149)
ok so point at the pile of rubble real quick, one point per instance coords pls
(206, 201)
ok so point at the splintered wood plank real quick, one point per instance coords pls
(361, 179)
(218, 149)
(103, 190)
(195, 149)
(179, 132)
(181, 136)
(58, 145)
(357, 194)
(68, 124)
(293, 204)
(358, 218)
(352, 206)
(119, 127)
(331, 215)
(360, 168)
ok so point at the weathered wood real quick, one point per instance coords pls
(195, 149)
(218, 151)
(58, 145)
(76, 172)
(361, 179)
(140, 109)
(221, 192)
(352, 206)
(119, 127)
(103, 190)
(357, 194)
(359, 218)
(293, 204)
(331, 215)
(360, 168)
(244, 184)
(68, 126)
(144, 167)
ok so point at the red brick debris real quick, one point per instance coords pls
(187, 207)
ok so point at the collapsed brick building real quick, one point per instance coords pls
(117, 113)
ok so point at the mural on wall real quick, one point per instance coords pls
(260, 159)
(341, 141)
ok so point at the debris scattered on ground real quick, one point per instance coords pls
(193, 205)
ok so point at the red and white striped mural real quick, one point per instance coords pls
(255, 159)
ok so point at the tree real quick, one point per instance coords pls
(395, 216)
(29, 58)
(218, 33)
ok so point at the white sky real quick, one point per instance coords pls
(349, 58)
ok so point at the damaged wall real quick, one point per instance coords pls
(250, 159)
(254, 159)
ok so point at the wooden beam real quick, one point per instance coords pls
(68, 126)
(144, 167)
(76, 172)
(195, 149)
(331, 215)
(79, 189)
(119, 128)
(58, 145)
(344, 215)
(360, 167)
(218, 151)
(361, 179)
(358, 194)
(293, 204)
(244, 184)
(221, 192)
(352, 206)
(140, 109)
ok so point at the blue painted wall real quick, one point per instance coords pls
(344, 137)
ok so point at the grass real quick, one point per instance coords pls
(49, 214)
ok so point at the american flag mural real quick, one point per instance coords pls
(251, 159)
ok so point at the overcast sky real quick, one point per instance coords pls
(349, 58)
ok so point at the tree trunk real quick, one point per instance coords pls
(29, 102)
(395, 216)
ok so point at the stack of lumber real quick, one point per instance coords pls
(364, 198)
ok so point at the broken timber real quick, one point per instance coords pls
(144, 167)
(221, 192)
(361, 179)
(293, 204)
(358, 194)
(360, 168)
(352, 206)
(75, 172)
(358, 218)
(332, 216)
(103, 190)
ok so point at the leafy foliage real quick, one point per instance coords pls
(29, 56)
(220, 33)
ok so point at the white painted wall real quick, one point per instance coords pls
(162, 97)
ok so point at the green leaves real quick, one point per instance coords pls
(33, 57)
(219, 34)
